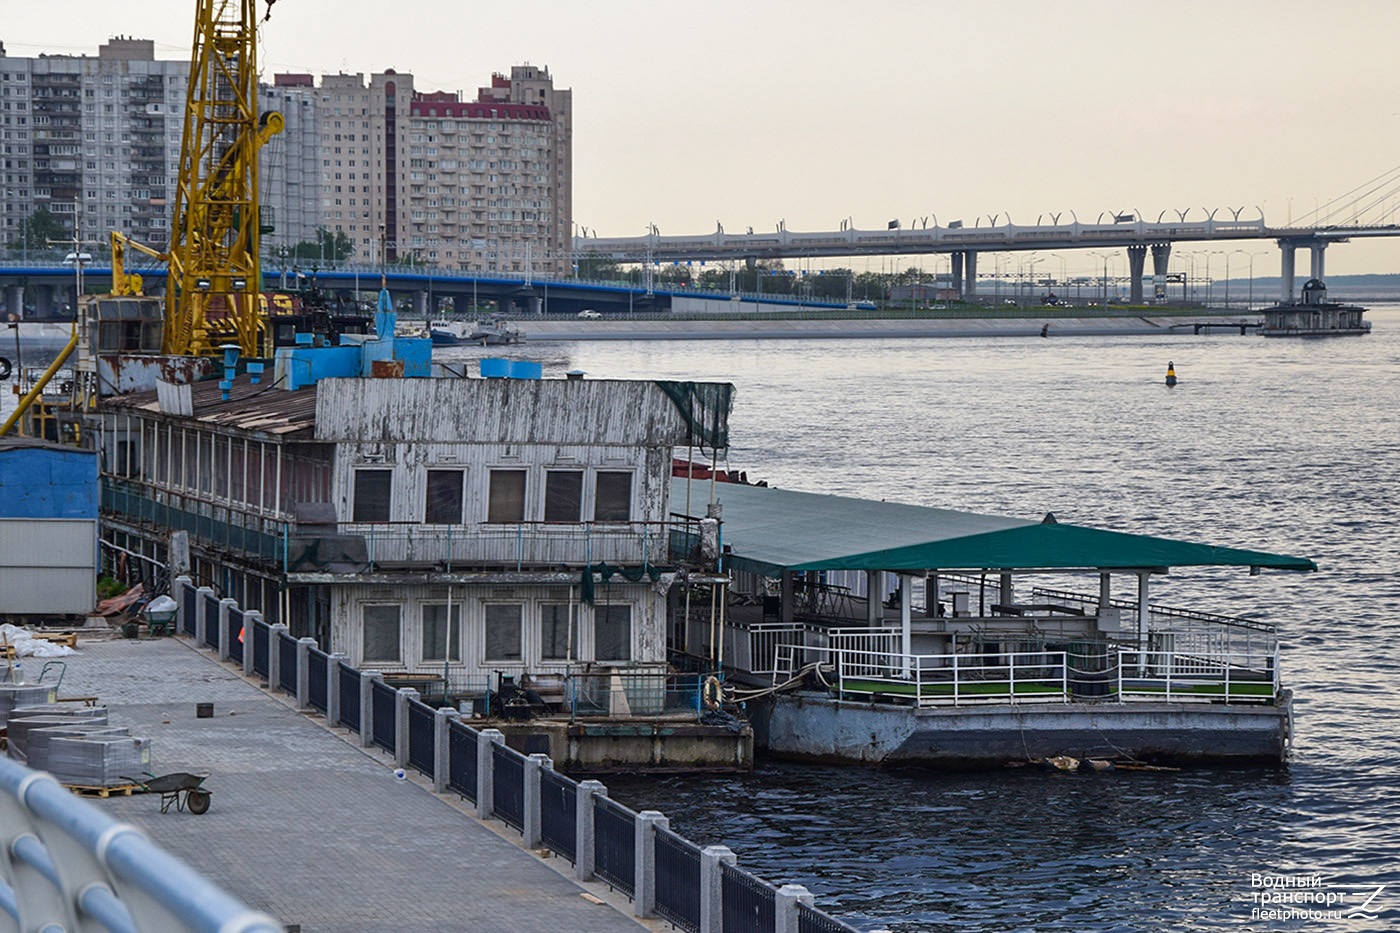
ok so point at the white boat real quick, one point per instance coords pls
(493, 332)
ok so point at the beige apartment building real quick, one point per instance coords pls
(476, 185)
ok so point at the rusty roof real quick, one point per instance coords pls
(256, 409)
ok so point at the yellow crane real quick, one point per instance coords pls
(215, 278)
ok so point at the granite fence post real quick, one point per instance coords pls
(583, 828)
(712, 887)
(644, 853)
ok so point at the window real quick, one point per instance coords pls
(436, 634)
(507, 496)
(381, 634)
(612, 633)
(558, 632)
(372, 495)
(613, 502)
(444, 505)
(563, 495)
(503, 632)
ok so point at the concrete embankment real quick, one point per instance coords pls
(867, 328)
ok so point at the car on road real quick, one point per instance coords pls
(589, 314)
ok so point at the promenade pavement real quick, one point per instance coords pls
(309, 827)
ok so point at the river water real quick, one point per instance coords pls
(1280, 445)
(1273, 444)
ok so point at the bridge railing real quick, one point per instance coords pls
(111, 876)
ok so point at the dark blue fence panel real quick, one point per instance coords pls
(236, 635)
(508, 773)
(420, 736)
(191, 606)
(381, 714)
(461, 760)
(615, 845)
(317, 671)
(749, 903)
(677, 880)
(287, 673)
(211, 621)
(349, 695)
(262, 633)
(811, 920)
(559, 813)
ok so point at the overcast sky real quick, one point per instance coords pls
(812, 112)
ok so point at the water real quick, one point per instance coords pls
(1279, 445)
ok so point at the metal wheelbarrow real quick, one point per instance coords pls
(180, 788)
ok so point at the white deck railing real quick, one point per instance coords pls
(1017, 677)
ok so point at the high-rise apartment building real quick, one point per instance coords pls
(483, 185)
(480, 185)
(103, 133)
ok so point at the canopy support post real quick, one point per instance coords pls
(906, 628)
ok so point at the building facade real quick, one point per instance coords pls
(102, 133)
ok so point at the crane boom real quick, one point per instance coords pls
(212, 295)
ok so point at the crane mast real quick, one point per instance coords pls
(215, 275)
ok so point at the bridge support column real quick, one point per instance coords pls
(1287, 260)
(43, 300)
(420, 304)
(958, 272)
(14, 302)
(1137, 260)
(1161, 255)
(1319, 260)
(970, 266)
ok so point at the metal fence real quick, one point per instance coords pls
(211, 621)
(189, 603)
(675, 884)
(287, 662)
(318, 679)
(420, 736)
(508, 775)
(236, 634)
(643, 693)
(382, 698)
(559, 813)
(749, 902)
(615, 844)
(348, 683)
(461, 760)
(678, 880)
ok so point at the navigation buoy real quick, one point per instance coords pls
(1171, 373)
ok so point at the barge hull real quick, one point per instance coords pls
(1184, 734)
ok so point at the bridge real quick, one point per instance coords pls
(1129, 232)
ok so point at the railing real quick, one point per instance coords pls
(236, 634)
(522, 544)
(287, 666)
(749, 902)
(1018, 677)
(318, 679)
(348, 691)
(262, 640)
(940, 679)
(188, 607)
(615, 844)
(111, 876)
(211, 626)
(420, 737)
(559, 813)
(628, 693)
(637, 854)
(678, 880)
(754, 645)
(508, 775)
(462, 760)
(1176, 677)
(382, 715)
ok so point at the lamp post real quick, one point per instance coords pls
(1210, 283)
(1063, 273)
(1104, 281)
(1262, 252)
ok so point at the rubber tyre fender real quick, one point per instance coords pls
(5, 368)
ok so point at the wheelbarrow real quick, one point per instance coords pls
(180, 788)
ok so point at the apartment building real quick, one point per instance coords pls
(101, 132)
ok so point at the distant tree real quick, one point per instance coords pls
(599, 268)
(38, 229)
(331, 247)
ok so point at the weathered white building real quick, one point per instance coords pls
(424, 526)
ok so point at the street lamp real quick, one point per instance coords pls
(1262, 252)
(1063, 273)
(1210, 283)
(1107, 257)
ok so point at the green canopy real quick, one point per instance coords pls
(771, 530)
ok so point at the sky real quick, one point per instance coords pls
(811, 113)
